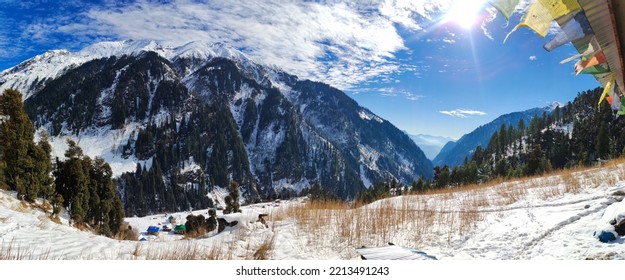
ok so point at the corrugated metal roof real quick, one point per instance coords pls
(393, 252)
(606, 18)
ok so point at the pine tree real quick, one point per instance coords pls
(232, 200)
(602, 146)
(72, 182)
(24, 165)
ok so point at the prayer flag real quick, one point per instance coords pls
(505, 7)
(541, 13)
(608, 88)
(558, 8)
(616, 99)
(593, 47)
(575, 28)
(596, 59)
(597, 69)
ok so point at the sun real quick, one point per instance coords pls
(465, 13)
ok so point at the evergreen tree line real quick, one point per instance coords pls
(205, 136)
(79, 184)
(148, 191)
(577, 134)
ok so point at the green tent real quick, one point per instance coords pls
(180, 229)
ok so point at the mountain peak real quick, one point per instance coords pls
(553, 106)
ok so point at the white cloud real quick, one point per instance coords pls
(533, 58)
(343, 44)
(412, 96)
(407, 12)
(394, 92)
(462, 113)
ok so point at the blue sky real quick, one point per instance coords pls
(429, 67)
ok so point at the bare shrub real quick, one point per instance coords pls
(127, 234)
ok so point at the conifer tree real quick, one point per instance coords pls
(24, 165)
(602, 146)
(232, 200)
(72, 182)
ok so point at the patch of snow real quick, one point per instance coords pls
(102, 142)
(613, 215)
(366, 115)
(369, 157)
(363, 177)
(190, 166)
(288, 185)
(531, 227)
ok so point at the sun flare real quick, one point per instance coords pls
(465, 13)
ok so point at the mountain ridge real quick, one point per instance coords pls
(227, 118)
(454, 153)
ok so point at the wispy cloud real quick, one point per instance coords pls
(492, 15)
(462, 113)
(533, 58)
(394, 92)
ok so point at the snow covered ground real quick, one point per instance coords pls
(549, 218)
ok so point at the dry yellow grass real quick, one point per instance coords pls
(571, 182)
(550, 192)
(450, 211)
(510, 193)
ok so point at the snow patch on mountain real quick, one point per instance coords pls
(366, 115)
(369, 157)
(286, 184)
(102, 142)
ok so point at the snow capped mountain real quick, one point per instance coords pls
(32, 74)
(167, 107)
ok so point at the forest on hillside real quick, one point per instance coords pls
(580, 133)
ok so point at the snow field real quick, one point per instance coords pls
(551, 217)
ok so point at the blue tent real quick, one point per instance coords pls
(153, 230)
